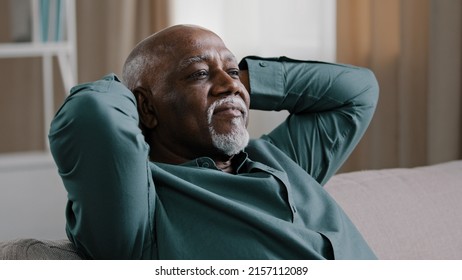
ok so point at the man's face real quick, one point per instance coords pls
(203, 107)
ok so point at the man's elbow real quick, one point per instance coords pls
(370, 91)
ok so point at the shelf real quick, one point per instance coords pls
(44, 47)
(34, 49)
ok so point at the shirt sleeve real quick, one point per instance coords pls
(330, 105)
(102, 159)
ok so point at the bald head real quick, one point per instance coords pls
(146, 63)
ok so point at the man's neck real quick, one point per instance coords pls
(222, 162)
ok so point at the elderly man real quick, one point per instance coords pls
(160, 165)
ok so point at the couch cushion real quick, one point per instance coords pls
(404, 213)
(33, 249)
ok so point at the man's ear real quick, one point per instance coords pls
(146, 108)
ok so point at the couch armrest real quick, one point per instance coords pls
(33, 249)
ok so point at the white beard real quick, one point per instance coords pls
(235, 141)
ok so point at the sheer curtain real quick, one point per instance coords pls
(109, 29)
(414, 48)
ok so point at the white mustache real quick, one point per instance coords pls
(237, 102)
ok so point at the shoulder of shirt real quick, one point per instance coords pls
(262, 145)
(108, 82)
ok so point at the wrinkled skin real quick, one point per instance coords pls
(191, 69)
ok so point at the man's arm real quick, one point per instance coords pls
(331, 106)
(103, 161)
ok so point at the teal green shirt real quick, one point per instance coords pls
(122, 206)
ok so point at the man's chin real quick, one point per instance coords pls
(230, 143)
(228, 126)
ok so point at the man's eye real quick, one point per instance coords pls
(234, 73)
(199, 75)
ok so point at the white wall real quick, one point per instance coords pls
(301, 29)
(32, 198)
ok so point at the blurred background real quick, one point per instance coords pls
(46, 46)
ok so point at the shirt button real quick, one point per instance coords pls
(263, 64)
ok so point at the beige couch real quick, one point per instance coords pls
(406, 213)
(403, 213)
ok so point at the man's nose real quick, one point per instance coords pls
(225, 84)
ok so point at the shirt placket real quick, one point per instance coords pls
(283, 179)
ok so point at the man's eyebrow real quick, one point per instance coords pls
(231, 58)
(201, 58)
(191, 60)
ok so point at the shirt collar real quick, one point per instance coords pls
(239, 161)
